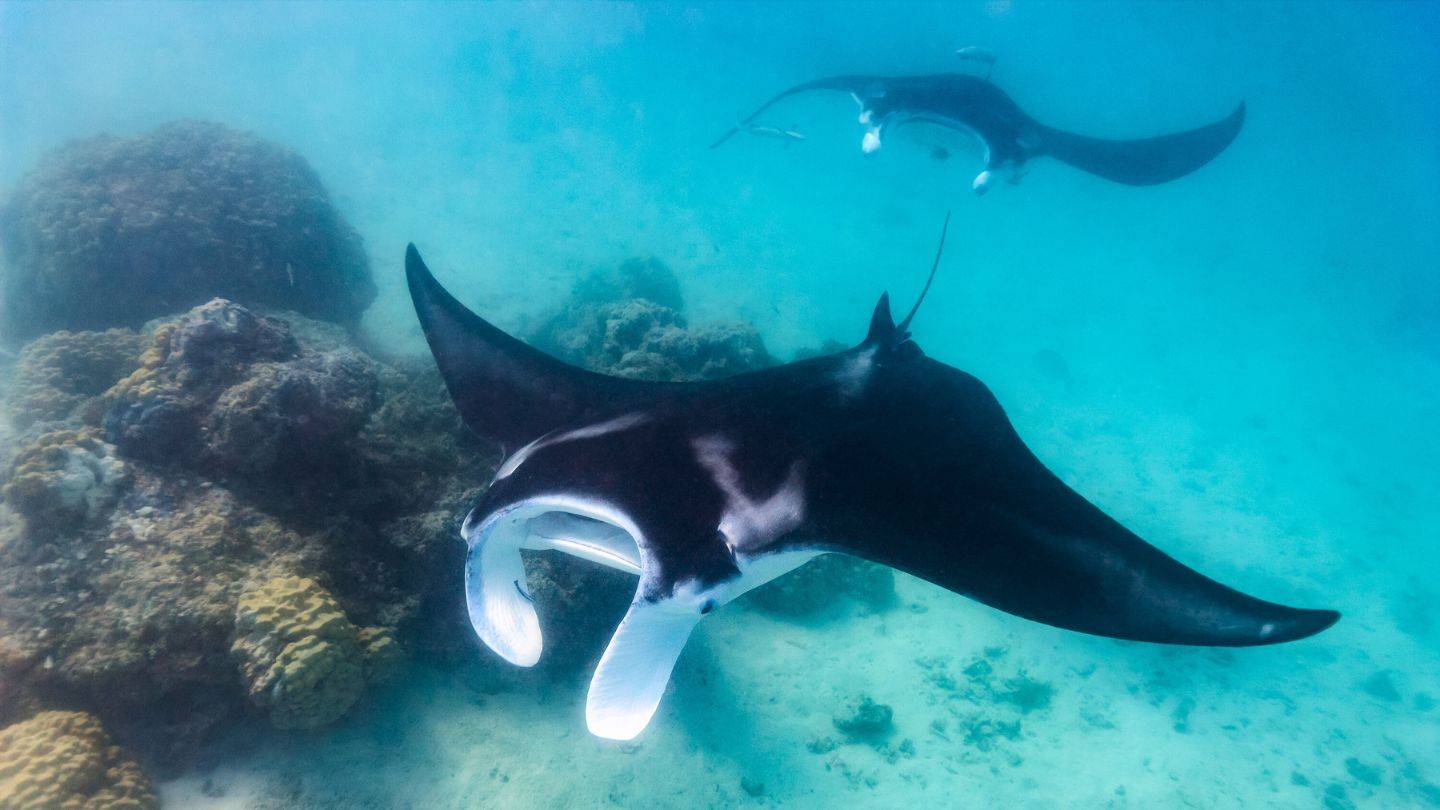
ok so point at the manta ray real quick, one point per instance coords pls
(1007, 137)
(706, 490)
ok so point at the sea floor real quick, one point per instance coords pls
(988, 710)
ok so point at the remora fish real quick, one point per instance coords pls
(706, 490)
(1008, 137)
(762, 131)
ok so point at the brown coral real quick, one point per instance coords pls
(112, 232)
(301, 658)
(61, 373)
(64, 760)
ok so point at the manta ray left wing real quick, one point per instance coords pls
(961, 502)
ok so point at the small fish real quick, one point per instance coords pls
(975, 53)
(763, 131)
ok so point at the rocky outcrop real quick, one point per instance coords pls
(242, 447)
(630, 322)
(114, 231)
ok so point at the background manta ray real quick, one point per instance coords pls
(1007, 136)
(707, 490)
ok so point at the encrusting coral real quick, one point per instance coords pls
(60, 760)
(113, 231)
(63, 479)
(302, 659)
(60, 373)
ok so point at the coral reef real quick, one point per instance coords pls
(613, 325)
(60, 760)
(63, 479)
(58, 374)
(112, 231)
(223, 385)
(243, 446)
(302, 659)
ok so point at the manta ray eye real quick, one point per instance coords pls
(909, 350)
(707, 607)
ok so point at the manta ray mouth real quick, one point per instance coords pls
(501, 609)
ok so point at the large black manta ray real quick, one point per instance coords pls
(709, 489)
(1007, 137)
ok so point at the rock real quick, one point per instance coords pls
(302, 660)
(112, 232)
(1362, 772)
(1381, 685)
(630, 323)
(824, 582)
(66, 759)
(59, 374)
(287, 415)
(223, 386)
(861, 718)
(752, 786)
(637, 277)
(580, 604)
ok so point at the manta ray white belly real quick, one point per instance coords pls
(632, 674)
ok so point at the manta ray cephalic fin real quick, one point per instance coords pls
(630, 680)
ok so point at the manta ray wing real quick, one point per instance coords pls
(1143, 161)
(947, 491)
(505, 390)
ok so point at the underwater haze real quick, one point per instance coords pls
(242, 564)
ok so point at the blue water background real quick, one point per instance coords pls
(1251, 355)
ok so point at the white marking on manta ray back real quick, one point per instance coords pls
(855, 372)
(747, 523)
(619, 423)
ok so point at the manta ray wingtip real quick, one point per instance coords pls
(1303, 623)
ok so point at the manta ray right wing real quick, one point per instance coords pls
(1143, 161)
(505, 390)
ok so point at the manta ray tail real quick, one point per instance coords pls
(1145, 161)
(505, 390)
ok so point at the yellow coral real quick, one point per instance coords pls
(144, 381)
(65, 760)
(382, 653)
(301, 657)
(57, 374)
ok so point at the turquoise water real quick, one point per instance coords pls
(1242, 365)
